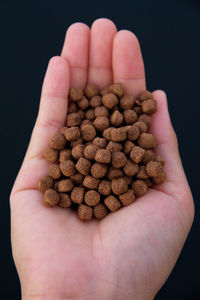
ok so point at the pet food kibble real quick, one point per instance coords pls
(45, 183)
(141, 126)
(128, 146)
(78, 151)
(139, 187)
(128, 179)
(146, 141)
(91, 182)
(148, 155)
(159, 159)
(133, 133)
(83, 103)
(54, 171)
(127, 198)
(65, 200)
(88, 132)
(118, 134)
(90, 151)
(142, 174)
(77, 178)
(127, 102)
(92, 198)
(148, 182)
(112, 203)
(67, 167)
(154, 169)
(95, 101)
(100, 211)
(105, 187)
(130, 116)
(57, 141)
(101, 123)
(117, 89)
(77, 195)
(104, 91)
(109, 100)
(145, 95)
(73, 119)
(91, 90)
(90, 114)
(103, 156)
(114, 173)
(137, 154)
(130, 168)
(76, 142)
(160, 179)
(118, 159)
(75, 93)
(98, 170)
(83, 166)
(51, 155)
(101, 111)
(119, 186)
(149, 106)
(100, 142)
(84, 212)
(146, 119)
(65, 185)
(72, 133)
(65, 154)
(138, 110)
(114, 146)
(51, 198)
(107, 133)
(72, 108)
(116, 118)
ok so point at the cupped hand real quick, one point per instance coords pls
(130, 253)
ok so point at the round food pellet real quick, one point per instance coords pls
(91, 90)
(109, 100)
(67, 167)
(130, 168)
(103, 156)
(137, 154)
(101, 123)
(105, 187)
(100, 142)
(83, 166)
(112, 203)
(88, 132)
(65, 200)
(77, 195)
(139, 187)
(75, 93)
(45, 183)
(100, 211)
(57, 141)
(51, 155)
(78, 151)
(118, 159)
(119, 186)
(90, 151)
(65, 154)
(147, 141)
(118, 134)
(92, 198)
(98, 170)
(114, 146)
(117, 89)
(65, 185)
(54, 171)
(51, 198)
(91, 182)
(114, 173)
(127, 198)
(84, 212)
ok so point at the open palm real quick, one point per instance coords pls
(130, 253)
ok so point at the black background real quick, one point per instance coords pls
(33, 31)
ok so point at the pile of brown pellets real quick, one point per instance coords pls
(103, 158)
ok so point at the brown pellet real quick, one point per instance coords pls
(91, 90)
(117, 89)
(83, 166)
(65, 185)
(57, 141)
(130, 168)
(77, 195)
(65, 200)
(92, 198)
(109, 100)
(127, 198)
(51, 155)
(84, 212)
(98, 170)
(137, 154)
(90, 151)
(119, 186)
(100, 211)
(88, 132)
(65, 154)
(67, 168)
(147, 141)
(114, 173)
(54, 171)
(116, 118)
(105, 187)
(112, 203)
(45, 183)
(114, 146)
(103, 156)
(91, 182)
(139, 187)
(118, 134)
(73, 119)
(51, 198)
(75, 93)
(118, 159)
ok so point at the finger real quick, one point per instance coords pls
(100, 53)
(53, 106)
(167, 141)
(127, 62)
(75, 49)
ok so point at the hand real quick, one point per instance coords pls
(129, 254)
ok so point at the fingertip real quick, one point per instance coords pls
(104, 22)
(77, 27)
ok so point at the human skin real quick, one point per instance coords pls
(129, 254)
